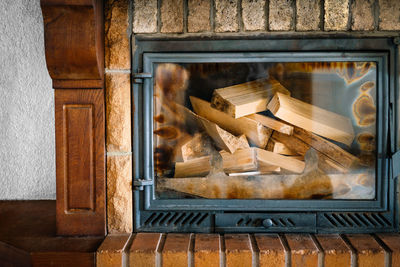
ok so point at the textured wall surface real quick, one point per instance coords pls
(27, 164)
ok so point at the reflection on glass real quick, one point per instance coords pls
(265, 130)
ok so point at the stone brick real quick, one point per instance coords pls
(369, 252)
(237, 250)
(145, 16)
(362, 12)
(308, 15)
(253, 15)
(109, 254)
(303, 250)
(199, 15)
(389, 15)
(206, 250)
(272, 252)
(175, 251)
(336, 15)
(118, 112)
(119, 194)
(281, 15)
(171, 16)
(144, 249)
(117, 52)
(335, 249)
(226, 16)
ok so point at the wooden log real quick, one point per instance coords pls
(191, 147)
(241, 161)
(255, 132)
(312, 118)
(223, 139)
(293, 143)
(314, 184)
(279, 148)
(270, 158)
(272, 123)
(331, 150)
(193, 167)
(246, 98)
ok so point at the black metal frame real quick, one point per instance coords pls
(223, 215)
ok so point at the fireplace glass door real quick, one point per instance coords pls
(265, 127)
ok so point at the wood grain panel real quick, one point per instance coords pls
(78, 157)
(80, 162)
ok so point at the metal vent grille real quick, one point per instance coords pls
(276, 222)
(357, 220)
(175, 219)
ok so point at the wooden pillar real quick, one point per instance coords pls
(74, 46)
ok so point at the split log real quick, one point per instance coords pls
(293, 143)
(270, 158)
(241, 161)
(312, 118)
(307, 186)
(279, 148)
(255, 132)
(192, 147)
(272, 123)
(192, 168)
(223, 139)
(331, 150)
(246, 98)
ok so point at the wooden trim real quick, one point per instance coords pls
(80, 162)
(74, 48)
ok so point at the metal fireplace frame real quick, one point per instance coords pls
(235, 215)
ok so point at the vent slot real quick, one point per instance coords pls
(175, 219)
(357, 220)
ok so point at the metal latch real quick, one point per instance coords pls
(138, 77)
(141, 183)
(396, 164)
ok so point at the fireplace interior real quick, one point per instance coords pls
(264, 135)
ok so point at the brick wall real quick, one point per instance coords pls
(126, 18)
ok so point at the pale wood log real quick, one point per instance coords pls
(191, 147)
(312, 118)
(293, 143)
(272, 123)
(194, 167)
(331, 150)
(255, 132)
(270, 158)
(280, 148)
(223, 139)
(314, 184)
(246, 98)
(240, 161)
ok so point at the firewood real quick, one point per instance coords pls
(293, 143)
(246, 98)
(331, 150)
(191, 147)
(272, 123)
(270, 158)
(193, 167)
(279, 148)
(312, 118)
(223, 139)
(255, 132)
(306, 186)
(240, 161)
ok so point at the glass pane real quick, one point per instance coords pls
(265, 130)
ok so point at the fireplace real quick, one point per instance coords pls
(264, 135)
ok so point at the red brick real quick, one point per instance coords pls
(110, 252)
(238, 250)
(175, 251)
(272, 252)
(143, 251)
(369, 252)
(393, 242)
(206, 250)
(337, 253)
(303, 250)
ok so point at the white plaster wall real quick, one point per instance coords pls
(27, 160)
